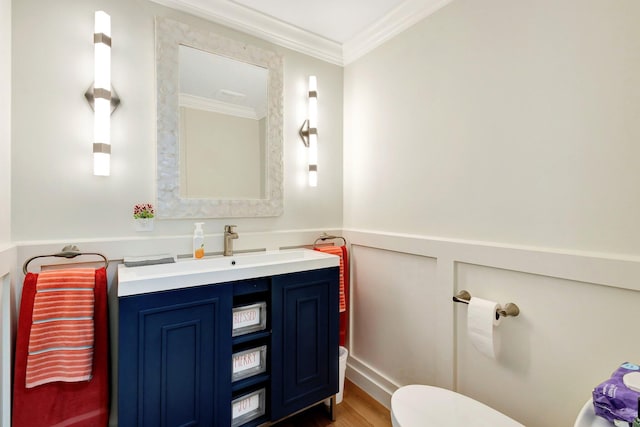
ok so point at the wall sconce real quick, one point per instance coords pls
(100, 95)
(309, 132)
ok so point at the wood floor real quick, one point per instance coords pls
(357, 409)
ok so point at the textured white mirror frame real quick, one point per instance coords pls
(170, 35)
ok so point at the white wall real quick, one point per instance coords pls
(55, 199)
(492, 147)
(5, 122)
(501, 121)
(55, 195)
(7, 252)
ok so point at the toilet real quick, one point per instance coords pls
(587, 417)
(424, 406)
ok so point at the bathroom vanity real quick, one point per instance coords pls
(227, 341)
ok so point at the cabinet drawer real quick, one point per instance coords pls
(248, 363)
(248, 407)
(249, 318)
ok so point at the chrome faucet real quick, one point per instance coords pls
(229, 235)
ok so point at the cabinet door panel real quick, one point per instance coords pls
(174, 357)
(305, 340)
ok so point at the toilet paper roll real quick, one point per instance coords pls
(481, 324)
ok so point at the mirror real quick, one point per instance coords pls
(223, 114)
(219, 125)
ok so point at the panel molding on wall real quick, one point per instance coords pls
(605, 269)
(395, 317)
(116, 249)
(5, 350)
(8, 321)
(562, 268)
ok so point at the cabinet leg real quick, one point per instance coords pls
(332, 408)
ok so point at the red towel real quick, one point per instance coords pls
(61, 338)
(72, 404)
(341, 251)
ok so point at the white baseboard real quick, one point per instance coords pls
(370, 381)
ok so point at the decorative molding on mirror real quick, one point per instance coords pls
(170, 35)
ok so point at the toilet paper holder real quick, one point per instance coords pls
(509, 309)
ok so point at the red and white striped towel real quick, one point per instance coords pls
(62, 331)
(341, 252)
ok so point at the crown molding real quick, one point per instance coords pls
(399, 19)
(215, 106)
(262, 26)
(252, 22)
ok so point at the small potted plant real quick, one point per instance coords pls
(143, 214)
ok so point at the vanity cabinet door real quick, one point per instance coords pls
(174, 358)
(304, 340)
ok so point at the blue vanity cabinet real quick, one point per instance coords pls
(305, 328)
(198, 356)
(174, 357)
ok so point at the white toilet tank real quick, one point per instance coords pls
(425, 406)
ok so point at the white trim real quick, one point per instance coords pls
(6, 335)
(118, 247)
(8, 325)
(257, 24)
(399, 19)
(250, 21)
(372, 382)
(215, 106)
(607, 269)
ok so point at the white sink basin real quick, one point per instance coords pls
(196, 272)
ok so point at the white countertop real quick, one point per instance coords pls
(219, 269)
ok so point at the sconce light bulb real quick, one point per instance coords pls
(102, 94)
(313, 113)
(313, 178)
(313, 84)
(313, 160)
(102, 67)
(101, 121)
(102, 53)
(313, 150)
(102, 23)
(313, 131)
(101, 164)
(313, 102)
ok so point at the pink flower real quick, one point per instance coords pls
(143, 210)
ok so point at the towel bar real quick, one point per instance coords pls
(509, 309)
(70, 251)
(325, 236)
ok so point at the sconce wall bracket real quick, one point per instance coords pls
(102, 38)
(90, 95)
(305, 131)
(100, 147)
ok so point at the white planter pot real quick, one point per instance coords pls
(143, 224)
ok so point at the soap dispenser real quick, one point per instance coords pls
(198, 241)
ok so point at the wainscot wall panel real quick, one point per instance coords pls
(571, 334)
